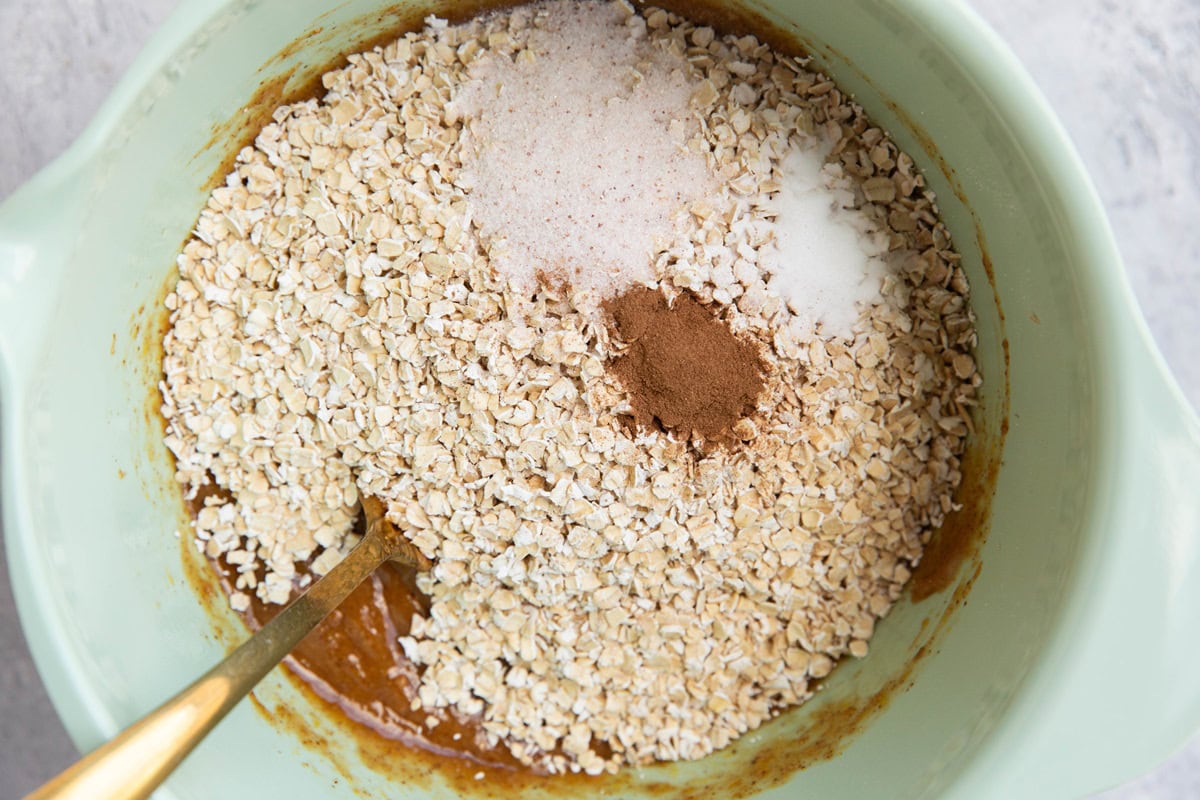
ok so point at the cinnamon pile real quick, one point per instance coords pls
(684, 369)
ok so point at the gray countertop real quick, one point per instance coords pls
(1124, 75)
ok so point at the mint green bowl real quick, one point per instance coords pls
(1071, 665)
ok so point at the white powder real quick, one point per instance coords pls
(830, 258)
(578, 157)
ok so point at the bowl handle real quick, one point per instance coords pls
(38, 225)
(1119, 690)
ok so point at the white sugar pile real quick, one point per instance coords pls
(579, 157)
(830, 258)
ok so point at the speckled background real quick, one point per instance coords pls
(1124, 76)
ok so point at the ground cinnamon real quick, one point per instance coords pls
(684, 369)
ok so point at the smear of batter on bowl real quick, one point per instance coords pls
(401, 291)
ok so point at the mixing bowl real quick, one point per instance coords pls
(1051, 651)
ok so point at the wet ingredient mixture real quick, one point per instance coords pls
(666, 485)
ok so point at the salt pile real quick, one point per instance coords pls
(829, 264)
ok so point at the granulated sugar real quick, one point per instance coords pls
(829, 262)
(578, 149)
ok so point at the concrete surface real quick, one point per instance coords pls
(1123, 74)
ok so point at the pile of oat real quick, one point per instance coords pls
(338, 328)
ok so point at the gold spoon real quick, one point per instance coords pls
(137, 760)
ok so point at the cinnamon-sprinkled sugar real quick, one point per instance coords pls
(581, 150)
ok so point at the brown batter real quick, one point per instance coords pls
(354, 661)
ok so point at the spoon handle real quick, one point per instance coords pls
(136, 761)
